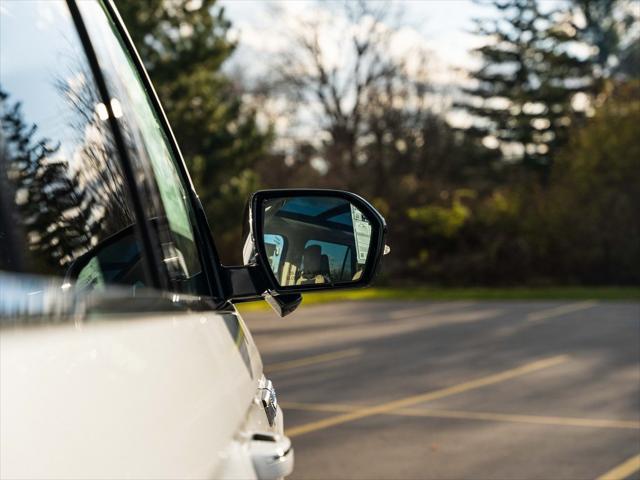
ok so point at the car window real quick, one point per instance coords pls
(275, 246)
(339, 260)
(148, 144)
(64, 203)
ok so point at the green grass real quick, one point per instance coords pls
(480, 293)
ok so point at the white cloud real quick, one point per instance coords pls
(431, 36)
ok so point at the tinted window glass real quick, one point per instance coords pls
(148, 146)
(64, 204)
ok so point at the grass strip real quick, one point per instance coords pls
(479, 293)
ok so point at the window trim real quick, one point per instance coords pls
(204, 241)
(150, 248)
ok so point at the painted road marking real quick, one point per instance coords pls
(624, 470)
(466, 415)
(306, 361)
(428, 396)
(425, 310)
(559, 311)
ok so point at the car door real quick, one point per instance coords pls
(123, 394)
(117, 358)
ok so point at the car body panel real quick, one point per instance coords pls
(156, 396)
(127, 381)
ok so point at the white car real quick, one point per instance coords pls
(121, 352)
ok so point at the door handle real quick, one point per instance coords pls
(272, 455)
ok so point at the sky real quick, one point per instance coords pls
(442, 25)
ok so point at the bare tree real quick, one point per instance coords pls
(342, 67)
(360, 83)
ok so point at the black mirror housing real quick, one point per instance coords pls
(303, 240)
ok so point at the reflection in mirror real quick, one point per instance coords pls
(315, 240)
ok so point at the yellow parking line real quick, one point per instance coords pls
(304, 362)
(466, 415)
(534, 419)
(428, 396)
(561, 310)
(624, 470)
(320, 407)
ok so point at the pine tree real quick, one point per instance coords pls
(183, 45)
(43, 192)
(610, 29)
(522, 96)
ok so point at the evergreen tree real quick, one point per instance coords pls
(43, 191)
(523, 92)
(183, 45)
(610, 29)
(587, 226)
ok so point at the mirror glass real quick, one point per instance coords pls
(315, 240)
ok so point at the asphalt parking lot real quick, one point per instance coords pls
(453, 390)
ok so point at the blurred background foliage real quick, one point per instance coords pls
(541, 186)
(183, 46)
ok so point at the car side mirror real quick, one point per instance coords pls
(303, 240)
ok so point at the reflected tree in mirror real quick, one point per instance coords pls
(315, 240)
